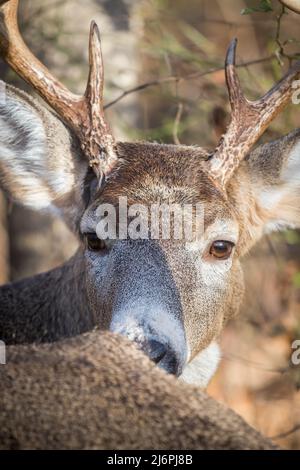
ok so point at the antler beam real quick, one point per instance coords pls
(83, 114)
(249, 119)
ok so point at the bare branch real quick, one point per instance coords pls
(176, 124)
(178, 78)
(280, 53)
(255, 365)
(286, 433)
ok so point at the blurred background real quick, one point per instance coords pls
(165, 82)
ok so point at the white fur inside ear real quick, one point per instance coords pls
(282, 201)
(291, 172)
(29, 172)
(22, 152)
(203, 367)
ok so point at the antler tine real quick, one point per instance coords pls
(249, 119)
(99, 142)
(236, 96)
(83, 114)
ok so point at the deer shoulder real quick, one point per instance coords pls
(97, 391)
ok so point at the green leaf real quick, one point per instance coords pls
(248, 11)
(264, 7)
(292, 237)
(296, 279)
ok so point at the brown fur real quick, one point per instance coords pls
(97, 391)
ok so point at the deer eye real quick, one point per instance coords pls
(94, 243)
(221, 249)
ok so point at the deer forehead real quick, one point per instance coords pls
(161, 171)
(161, 174)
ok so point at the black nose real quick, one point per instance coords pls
(162, 355)
(155, 350)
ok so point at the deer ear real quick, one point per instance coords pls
(41, 165)
(275, 179)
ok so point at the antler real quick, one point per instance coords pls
(249, 119)
(83, 114)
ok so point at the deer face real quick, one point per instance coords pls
(167, 295)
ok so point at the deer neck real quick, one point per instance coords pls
(46, 307)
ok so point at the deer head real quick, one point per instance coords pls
(169, 296)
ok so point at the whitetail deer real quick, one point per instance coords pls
(97, 391)
(170, 297)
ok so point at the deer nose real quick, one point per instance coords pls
(155, 350)
(162, 355)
